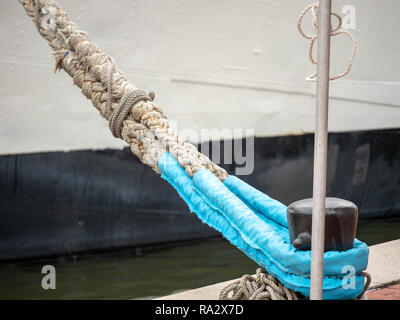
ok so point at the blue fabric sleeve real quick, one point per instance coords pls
(270, 237)
(258, 201)
(246, 222)
(292, 259)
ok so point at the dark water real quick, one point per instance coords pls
(126, 275)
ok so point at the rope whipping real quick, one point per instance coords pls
(132, 114)
(116, 118)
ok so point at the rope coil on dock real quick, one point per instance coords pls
(263, 286)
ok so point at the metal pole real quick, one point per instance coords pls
(320, 150)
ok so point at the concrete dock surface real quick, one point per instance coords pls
(383, 266)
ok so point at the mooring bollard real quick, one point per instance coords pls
(340, 224)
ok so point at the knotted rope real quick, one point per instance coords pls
(263, 286)
(313, 8)
(131, 113)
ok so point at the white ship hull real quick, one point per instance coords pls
(225, 64)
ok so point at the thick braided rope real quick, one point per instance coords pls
(263, 286)
(313, 8)
(145, 128)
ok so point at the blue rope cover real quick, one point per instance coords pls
(257, 225)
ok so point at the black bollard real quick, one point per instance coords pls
(340, 224)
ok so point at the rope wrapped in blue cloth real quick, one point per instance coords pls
(257, 225)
